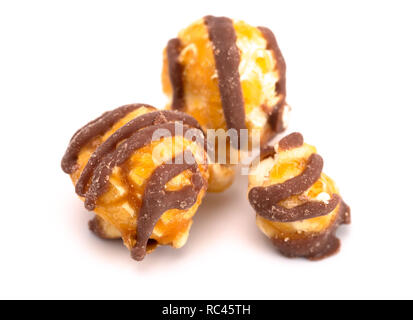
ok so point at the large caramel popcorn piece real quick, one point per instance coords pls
(142, 189)
(298, 206)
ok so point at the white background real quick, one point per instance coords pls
(349, 81)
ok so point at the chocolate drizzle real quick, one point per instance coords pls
(93, 129)
(148, 119)
(157, 200)
(265, 199)
(227, 59)
(276, 115)
(124, 150)
(316, 246)
(173, 50)
(118, 147)
(266, 202)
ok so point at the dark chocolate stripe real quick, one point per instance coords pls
(124, 150)
(175, 69)
(146, 120)
(292, 141)
(308, 210)
(267, 152)
(91, 130)
(319, 245)
(275, 118)
(227, 59)
(265, 199)
(157, 200)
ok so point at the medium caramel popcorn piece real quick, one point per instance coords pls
(135, 184)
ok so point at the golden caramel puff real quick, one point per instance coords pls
(221, 177)
(228, 75)
(143, 172)
(297, 205)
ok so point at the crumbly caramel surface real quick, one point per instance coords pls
(258, 76)
(284, 166)
(119, 206)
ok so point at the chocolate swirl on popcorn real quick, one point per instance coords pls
(119, 147)
(265, 200)
(92, 130)
(124, 150)
(148, 119)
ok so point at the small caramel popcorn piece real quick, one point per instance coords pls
(297, 205)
